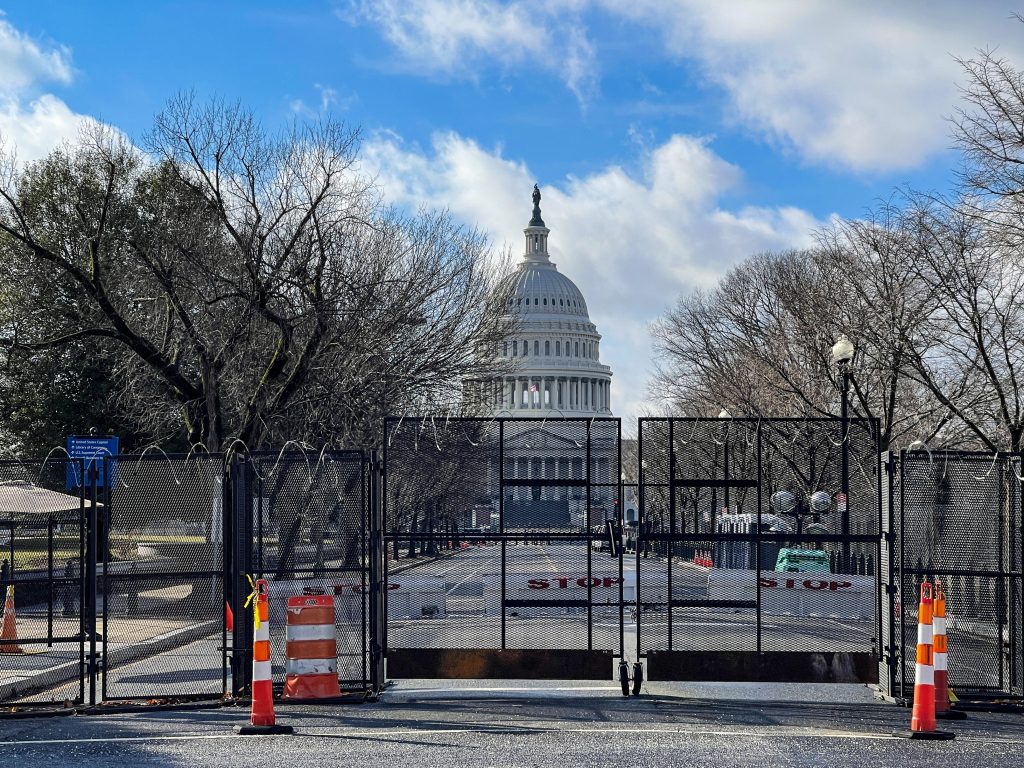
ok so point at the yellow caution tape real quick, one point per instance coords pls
(255, 603)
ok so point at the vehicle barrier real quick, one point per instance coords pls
(547, 594)
(839, 596)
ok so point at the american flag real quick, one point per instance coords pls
(533, 387)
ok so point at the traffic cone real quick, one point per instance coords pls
(942, 694)
(229, 617)
(922, 719)
(9, 633)
(261, 719)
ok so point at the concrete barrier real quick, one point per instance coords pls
(409, 597)
(547, 594)
(834, 595)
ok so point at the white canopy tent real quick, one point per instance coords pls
(21, 498)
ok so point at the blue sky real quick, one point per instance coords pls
(671, 138)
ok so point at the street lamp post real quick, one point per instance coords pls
(842, 356)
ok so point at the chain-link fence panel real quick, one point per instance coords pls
(960, 527)
(161, 592)
(752, 537)
(42, 550)
(497, 535)
(1015, 565)
(308, 520)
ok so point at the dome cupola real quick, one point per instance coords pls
(556, 348)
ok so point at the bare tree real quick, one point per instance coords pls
(760, 343)
(252, 285)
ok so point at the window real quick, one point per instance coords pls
(561, 302)
(545, 301)
(526, 347)
(519, 302)
(515, 349)
(577, 349)
(547, 348)
(504, 352)
(536, 348)
(558, 349)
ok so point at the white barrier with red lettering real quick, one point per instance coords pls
(541, 588)
(408, 597)
(835, 595)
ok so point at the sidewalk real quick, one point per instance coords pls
(32, 675)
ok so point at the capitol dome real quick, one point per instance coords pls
(556, 348)
(539, 287)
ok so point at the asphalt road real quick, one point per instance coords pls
(473, 724)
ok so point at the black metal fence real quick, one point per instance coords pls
(493, 531)
(751, 540)
(955, 517)
(490, 548)
(160, 578)
(301, 523)
(125, 573)
(43, 514)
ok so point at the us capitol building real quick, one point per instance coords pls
(557, 375)
(557, 348)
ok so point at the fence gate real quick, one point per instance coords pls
(159, 576)
(301, 522)
(493, 557)
(755, 560)
(955, 517)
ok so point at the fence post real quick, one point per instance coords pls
(91, 556)
(377, 554)
(49, 581)
(241, 541)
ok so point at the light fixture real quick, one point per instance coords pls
(842, 350)
(820, 502)
(783, 502)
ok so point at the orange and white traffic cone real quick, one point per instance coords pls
(922, 719)
(9, 632)
(261, 719)
(942, 707)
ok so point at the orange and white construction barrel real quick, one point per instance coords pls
(311, 670)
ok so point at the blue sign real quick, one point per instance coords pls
(90, 449)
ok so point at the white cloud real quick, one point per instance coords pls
(861, 86)
(34, 129)
(23, 62)
(32, 122)
(632, 241)
(459, 38)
